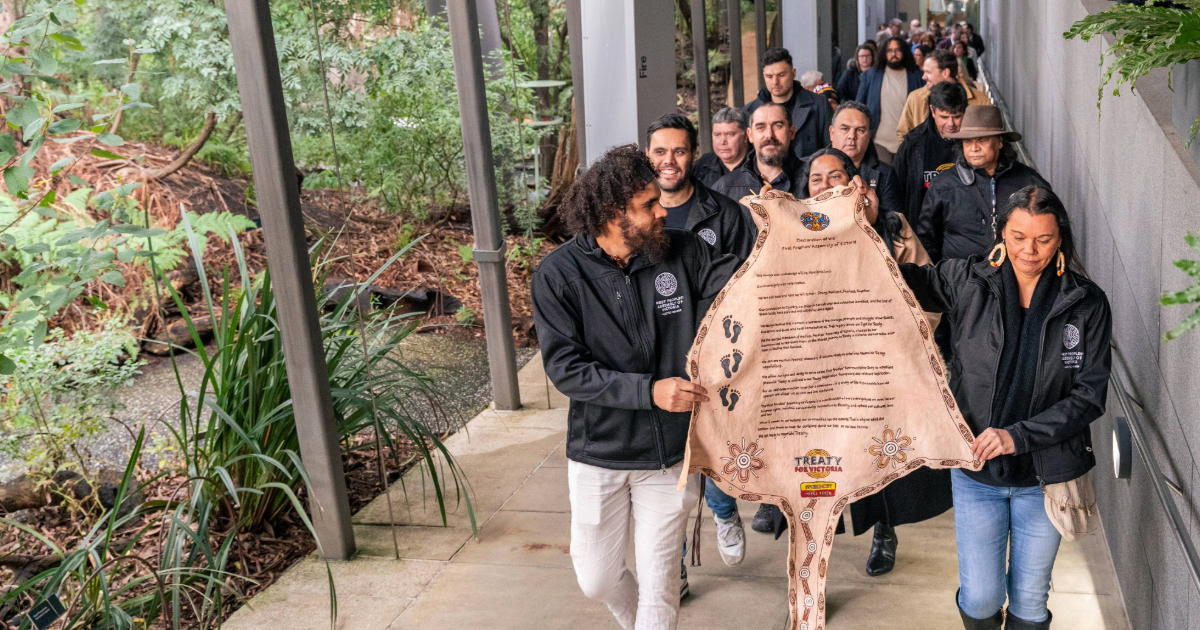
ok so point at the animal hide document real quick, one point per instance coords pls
(824, 381)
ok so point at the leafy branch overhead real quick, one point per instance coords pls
(1147, 37)
(1190, 295)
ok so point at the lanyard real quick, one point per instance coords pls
(994, 207)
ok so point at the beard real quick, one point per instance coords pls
(679, 184)
(651, 242)
(774, 159)
(896, 65)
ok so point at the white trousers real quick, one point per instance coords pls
(602, 502)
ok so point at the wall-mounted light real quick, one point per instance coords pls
(1122, 448)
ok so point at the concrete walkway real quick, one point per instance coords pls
(517, 573)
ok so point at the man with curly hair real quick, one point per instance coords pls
(616, 310)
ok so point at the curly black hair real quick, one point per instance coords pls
(603, 191)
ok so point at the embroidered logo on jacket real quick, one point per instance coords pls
(708, 235)
(1070, 336)
(666, 284)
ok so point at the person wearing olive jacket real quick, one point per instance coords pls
(616, 310)
(1030, 372)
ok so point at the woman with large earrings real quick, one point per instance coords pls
(1030, 336)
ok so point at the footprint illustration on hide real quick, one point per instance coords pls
(732, 328)
(731, 368)
(729, 398)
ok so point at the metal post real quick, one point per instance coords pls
(760, 37)
(700, 65)
(485, 212)
(733, 18)
(257, 66)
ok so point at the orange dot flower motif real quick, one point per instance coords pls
(743, 460)
(890, 450)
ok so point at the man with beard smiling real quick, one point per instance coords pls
(720, 221)
(616, 309)
(772, 163)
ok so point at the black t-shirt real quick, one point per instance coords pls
(677, 217)
(939, 156)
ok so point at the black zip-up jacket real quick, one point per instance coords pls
(882, 178)
(811, 116)
(1074, 359)
(746, 180)
(709, 168)
(956, 216)
(608, 333)
(913, 175)
(721, 222)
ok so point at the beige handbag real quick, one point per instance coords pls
(1071, 506)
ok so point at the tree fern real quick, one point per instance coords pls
(1147, 37)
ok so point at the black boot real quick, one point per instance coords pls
(882, 558)
(970, 623)
(1016, 623)
(764, 519)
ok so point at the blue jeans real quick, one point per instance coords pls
(987, 520)
(723, 505)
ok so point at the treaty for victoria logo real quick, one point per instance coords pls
(818, 463)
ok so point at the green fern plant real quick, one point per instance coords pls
(1147, 37)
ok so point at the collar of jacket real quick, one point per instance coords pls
(966, 172)
(801, 107)
(704, 205)
(1070, 290)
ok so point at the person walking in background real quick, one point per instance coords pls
(811, 79)
(864, 59)
(891, 31)
(884, 89)
(1029, 403)
(809, 113)
(920, 54)
(690, 205)
(619, 357)
(730, 146)
(942, 65)
(914, 31)
(928, 150)
(965, 62)
(772, 163)
(973, 39)
(960, 212)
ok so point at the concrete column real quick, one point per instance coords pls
(808, 36)
(848, 38)
(252, 39)
(871, 13)
(485, 212)
(628, 70)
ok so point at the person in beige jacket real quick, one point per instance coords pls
(942, 65)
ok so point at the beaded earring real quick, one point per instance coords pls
(997, 255)
(1062, 263)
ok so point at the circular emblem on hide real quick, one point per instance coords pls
(806, 515)
(666, 284)
(814, 221)
(708, 235)
(808, 601)
(804, 573)
(812, 547)
(1070, 336)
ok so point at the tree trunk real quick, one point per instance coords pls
(210, 123)
(233, 125)
(116, 123)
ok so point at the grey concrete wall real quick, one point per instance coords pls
(1133, 189)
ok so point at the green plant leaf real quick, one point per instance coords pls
(66, 125)
(66, 107)
(107, 154)
(60, 165)
(6, 365)
(110, 139)
(16, 179)
(113, 277)
(109, 61)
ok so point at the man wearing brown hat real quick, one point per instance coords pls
(958, 216)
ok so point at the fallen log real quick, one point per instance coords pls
(30, 492)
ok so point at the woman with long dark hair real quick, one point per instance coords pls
(1030, 336)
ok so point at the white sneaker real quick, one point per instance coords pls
(731, 539)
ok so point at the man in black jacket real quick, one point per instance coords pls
(730, 146)
(719, 220)
(958, 216)
(928, 150)
(771, 163)
(850, 133)
(617, 308)
(809, 112)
